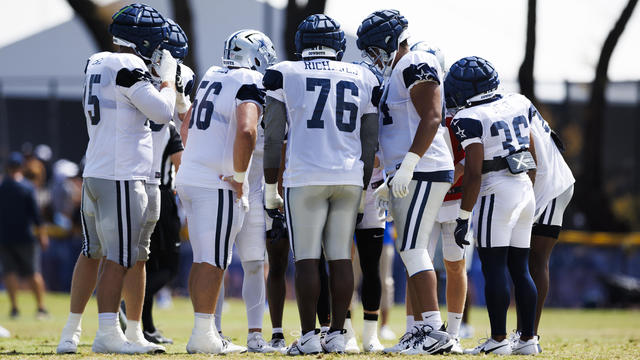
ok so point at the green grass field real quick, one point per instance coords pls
(566, 334)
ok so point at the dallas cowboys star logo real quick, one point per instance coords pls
(423, 75)
(460, 133)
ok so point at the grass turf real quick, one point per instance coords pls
(566, 333)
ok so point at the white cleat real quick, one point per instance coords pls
(491, 347)
(386, 333)
(114, 342)
(431, 342)
(372, 345)
(257, 344)
(4, 333)
(334, 342)
(405, 342)
(228, 347)
(456, 348)
(204, 343)
(466, 331)
(69, 341)
(280, 345)
(529, 347)
(307, 344)
(350, 341)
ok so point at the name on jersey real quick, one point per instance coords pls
(326, 65)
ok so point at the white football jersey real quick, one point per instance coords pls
(118, 99)
(325, 101)
(399, 119)
(212, 129)
(553, 175)
(501, 124)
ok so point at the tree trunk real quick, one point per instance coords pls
(182, 16)
(295, 14)
(596, 202)
(525, 75)
(97, 25)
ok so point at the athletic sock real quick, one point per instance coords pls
(73, 322)
(453, 323)
(253, 292)
(202, 322)
(219, 307)
(409, 324)
(133, 331)
(370, 316)
(277, 333)
(107, 321)
(432, 319)
(369, 330)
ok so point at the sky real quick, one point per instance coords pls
(570, 32)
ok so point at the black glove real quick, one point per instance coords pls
(461, 232)
(179, 84)
(279, 225)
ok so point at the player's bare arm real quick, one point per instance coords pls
(425, 97)
(474, 154)
(245, 141)
(532, 149)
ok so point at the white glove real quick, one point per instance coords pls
(272, 200)
(402, 178)
(182, 101)
(168, 67)
(382, 197)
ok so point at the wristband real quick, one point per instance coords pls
(239, 176)
(464, 214)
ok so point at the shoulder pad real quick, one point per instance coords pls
(272, 80)
(251, 92)
(419, 72)
(127, 78)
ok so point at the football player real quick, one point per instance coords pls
(553, 189)
(326, 104)
(251, 240)
(119, 99)
(494, 131)
(452, 253)
(163, 226)
(211, 179)
(416, 161)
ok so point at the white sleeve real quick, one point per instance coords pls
(157, 106)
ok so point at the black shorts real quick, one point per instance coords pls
(21, 259)
(165, 239)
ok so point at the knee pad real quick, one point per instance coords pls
(416, 260)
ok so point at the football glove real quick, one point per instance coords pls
(382, 196)
(272, 200)
(460, 233)
(168, 67)
(278, 226)
(402, 178)
(182, 101)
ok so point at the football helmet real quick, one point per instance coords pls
(320, 36)
(249, 49)
(140, 27)
(435, 51)
(176, 41)
(470, 79)
(379, 37)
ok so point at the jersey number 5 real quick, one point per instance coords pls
(92, 99)
(316, 121)
(203, 122)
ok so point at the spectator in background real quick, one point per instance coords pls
(386, 279)
(19, 252)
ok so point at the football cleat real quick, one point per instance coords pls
(69, 341)
(257, 344)
(456, 348)
(529, 347)
(431, 342)
(204, 343)
(386, 333)
(113, 341)
(4, 333)
(307, 344)
(405, 342)
(278, 345)
(228, 347)
(372, 345)
(156, 337)
(334, 342)
(466, 331)
(491, 346)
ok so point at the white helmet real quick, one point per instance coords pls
(249, 49)
(435, 51)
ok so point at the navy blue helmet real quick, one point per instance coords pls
(176, 42)
(380, 35)
(468, 78)
(140, 27)
(320, 36)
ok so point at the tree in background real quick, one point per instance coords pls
(298, 10)
(525, 74)
(182, 16)
(95, 21)
(592, 197)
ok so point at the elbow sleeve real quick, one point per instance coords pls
(369, 141)
(275, 122)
